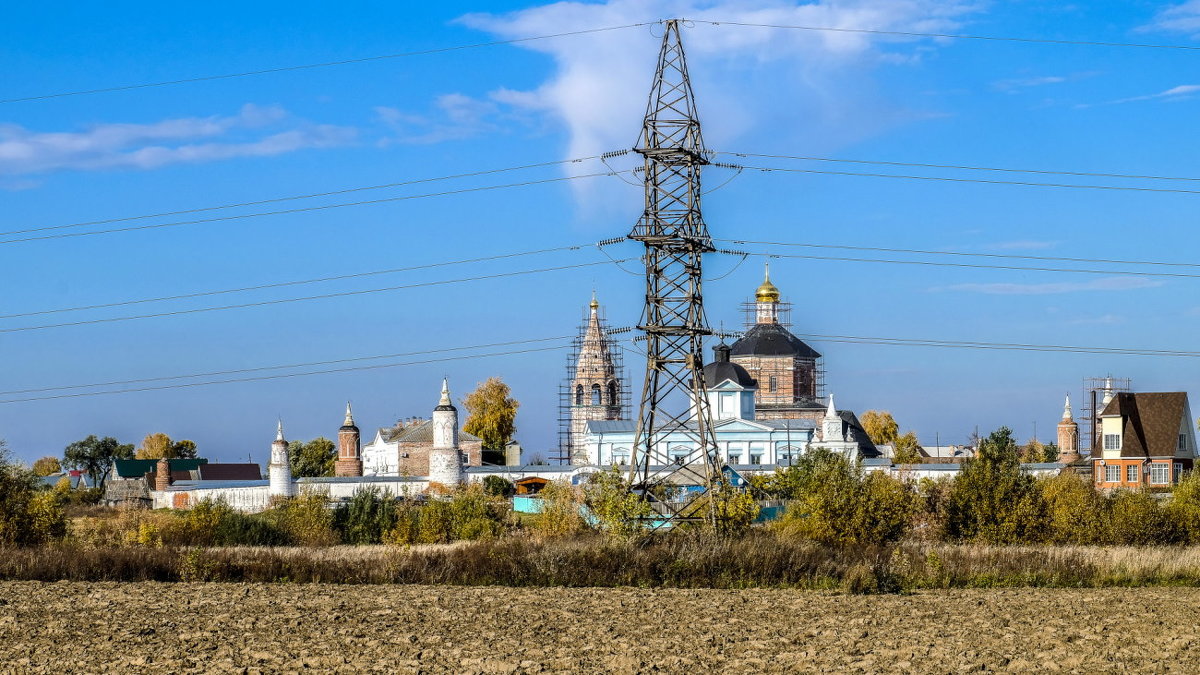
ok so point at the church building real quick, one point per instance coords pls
(764, 397)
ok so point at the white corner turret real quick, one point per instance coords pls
(279, 471)
(445, 460)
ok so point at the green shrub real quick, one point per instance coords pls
(837, 505)
(560, 515)
(993, 500)
(306, 520)
(1075, 512)
(1140, 519)
(498, 486)
(367, 517)
(29, 515)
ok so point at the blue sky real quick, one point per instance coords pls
(111, 155)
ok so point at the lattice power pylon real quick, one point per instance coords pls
(674, 443)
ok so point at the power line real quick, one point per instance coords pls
(985, 181)
(1114, 261)
(238, 371)
(313, 195)
(310, 66)
(1008, 346)
(931, 263)
(299, 282)
(957, 36)
(1090, 174)
(304, 209)
(323, 296)
(815, 337)
(281, 376)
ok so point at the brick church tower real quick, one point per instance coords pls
(594, 388)
(787, 369)
(349, 460)
(1068, 436)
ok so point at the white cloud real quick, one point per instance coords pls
(1015, 84)
(171, 141)
(810, 87)
(456, 117)
(1181, 18)
(1101, 285)
(1179, 93)
(1102, 320)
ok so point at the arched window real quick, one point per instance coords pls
(579, 394)
(612, 393)
(596, 395)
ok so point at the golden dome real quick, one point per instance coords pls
(767, 292)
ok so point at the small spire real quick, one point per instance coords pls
(279, 431)
(832, 411)
(1067, 416)
(349, 421)
(594, 304)
(767, 271)
(445, 400)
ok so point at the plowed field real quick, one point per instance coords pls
(150, 627)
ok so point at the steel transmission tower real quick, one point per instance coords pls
(676, 238)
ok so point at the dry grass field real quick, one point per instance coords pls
(179, 627)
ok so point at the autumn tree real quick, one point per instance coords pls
(156, 446)
(880, 426)
(47, 466)
(491, 414)
(95, 456)
(907, 449)
(313, 459)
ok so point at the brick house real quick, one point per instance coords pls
(1145, 440)
(403, 450)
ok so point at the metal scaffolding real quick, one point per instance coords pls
(675, 237)
(1093, 403)
(575, 410)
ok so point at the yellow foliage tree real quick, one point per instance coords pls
(47, 466)
(491, 413)
(880, 426)
(156, 446)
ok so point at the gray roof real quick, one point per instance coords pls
(422, 432)
(772, 339)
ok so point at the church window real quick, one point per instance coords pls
(772, 383)
(596, 394)
(755, 458)
(579, 394)
(612, 393)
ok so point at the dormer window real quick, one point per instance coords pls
(1112, 441)
(1183, 442)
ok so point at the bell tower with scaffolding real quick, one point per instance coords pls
(595, 386)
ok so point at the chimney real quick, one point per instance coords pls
(162, 474)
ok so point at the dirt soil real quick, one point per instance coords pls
(152, 627)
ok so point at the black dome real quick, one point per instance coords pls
(723, 369)
(771, 339)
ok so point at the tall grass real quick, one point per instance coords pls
(679, 560)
